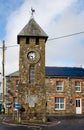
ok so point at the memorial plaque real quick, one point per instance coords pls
(31, 100)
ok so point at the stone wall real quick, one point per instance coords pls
(68, 93)
(32, 96)
(48, 95)
(11, 93)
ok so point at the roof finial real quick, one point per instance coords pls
(32, 11)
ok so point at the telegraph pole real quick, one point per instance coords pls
(3, 76)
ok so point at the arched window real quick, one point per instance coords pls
(32, 74)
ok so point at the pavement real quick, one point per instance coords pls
(37, 126)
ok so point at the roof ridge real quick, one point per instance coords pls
(63, 67)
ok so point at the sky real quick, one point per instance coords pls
(57, 18)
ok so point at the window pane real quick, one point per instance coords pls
(77, 88)
(59, 85)
(57, 100)
(56, 105)
(59, 103)
(77, 103)
(61, 100)
(17, 82)
(77, 83)
(59, 88)
(61, 106)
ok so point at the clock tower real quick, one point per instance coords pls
(32, 91)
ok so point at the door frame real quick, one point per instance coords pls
(79, 109)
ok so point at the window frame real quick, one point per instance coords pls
(77, 86)
(57, 86)
(32, 74)
(60, 103)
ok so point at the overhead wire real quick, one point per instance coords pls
(10, 46)
(64, 36)
(55, 38)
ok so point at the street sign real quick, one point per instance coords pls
(17, 106)
(8, 104)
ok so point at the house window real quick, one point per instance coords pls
(77, 86)
(59, 86)
(17, 83)
(59, 103)
(32, 74)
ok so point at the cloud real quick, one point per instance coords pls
(56, 18)
(44, 14)
(68, 49)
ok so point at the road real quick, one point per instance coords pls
(60, 124)
(7, 127)
(66, 124)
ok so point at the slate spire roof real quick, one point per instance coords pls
(32, 29)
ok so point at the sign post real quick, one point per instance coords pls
(18, 107)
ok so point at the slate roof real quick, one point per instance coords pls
(64, 71)
(15, 74)
(58, 72)
(32, 29)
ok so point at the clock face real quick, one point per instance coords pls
(33, 56)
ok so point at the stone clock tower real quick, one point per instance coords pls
(32, 92)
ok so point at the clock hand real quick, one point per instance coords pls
(31, 57)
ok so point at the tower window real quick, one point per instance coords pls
(27, 40)
(32, 74)
(37, 41)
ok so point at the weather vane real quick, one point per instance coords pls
(32, 11)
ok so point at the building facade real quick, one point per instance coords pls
(31, 92)
(64, 90)
(12, 82)
(43, 90)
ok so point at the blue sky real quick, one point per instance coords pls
(6, 8)
(57, 18)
